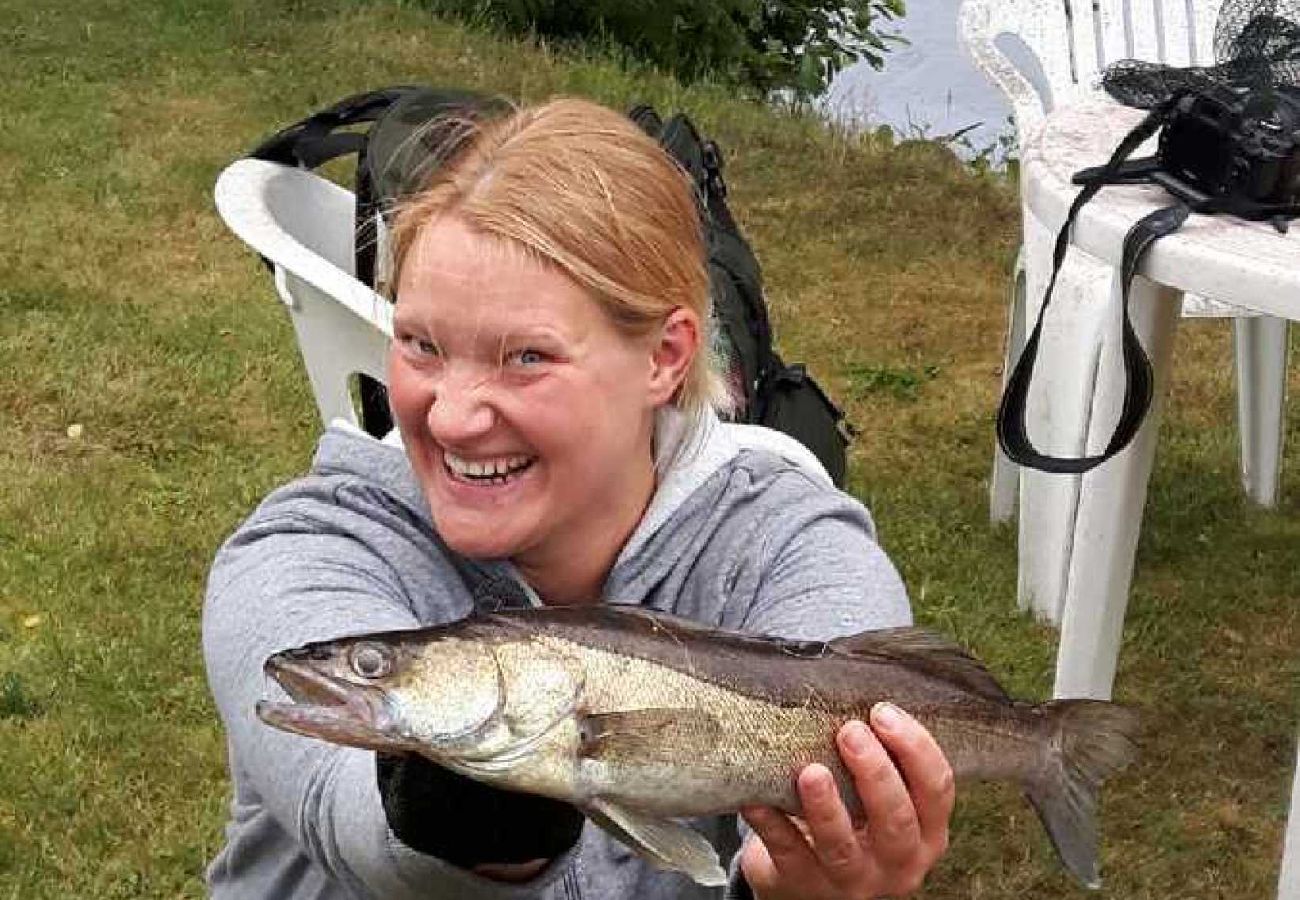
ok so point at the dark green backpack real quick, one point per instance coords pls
(411, 129)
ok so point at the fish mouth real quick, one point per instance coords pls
(328, 708)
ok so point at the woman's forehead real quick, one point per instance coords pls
(456, 277)
(450, 252)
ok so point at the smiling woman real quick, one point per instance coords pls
(556, 409)
(529, 421)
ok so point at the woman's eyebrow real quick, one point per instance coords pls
(495, 335)
(533, 332)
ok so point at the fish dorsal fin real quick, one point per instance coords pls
(923, 651)
(663, 842)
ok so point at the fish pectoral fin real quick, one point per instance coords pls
(641, 732)
(663, 842)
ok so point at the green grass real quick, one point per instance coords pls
(127, 309)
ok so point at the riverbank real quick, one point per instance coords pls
(928, 88)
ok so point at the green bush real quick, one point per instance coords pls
(764, 45)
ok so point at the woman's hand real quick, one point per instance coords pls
(824, 857)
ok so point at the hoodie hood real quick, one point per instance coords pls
(687, 460)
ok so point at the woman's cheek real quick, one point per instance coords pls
(405, 393)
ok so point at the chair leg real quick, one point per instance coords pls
(1058, 408)
(1261, 344)
(1110, 508)
(1004, 483)
(1288, 885)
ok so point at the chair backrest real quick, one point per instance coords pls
(303, 224)
(1042, 53)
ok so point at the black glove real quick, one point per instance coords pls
(466, 823)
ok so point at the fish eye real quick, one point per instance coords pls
(371, 660)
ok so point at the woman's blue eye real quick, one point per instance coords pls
(420, 345)
(527, 357)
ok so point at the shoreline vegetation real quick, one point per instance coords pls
(151, 394)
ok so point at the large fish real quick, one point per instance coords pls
(638, 718)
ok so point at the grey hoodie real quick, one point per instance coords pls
(735, 537)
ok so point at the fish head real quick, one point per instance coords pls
(412, 690)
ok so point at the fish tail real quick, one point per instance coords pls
(1091, 740)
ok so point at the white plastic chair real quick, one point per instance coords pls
(1043, 54)
(1069, 42)
(303, 224)
(1288, 886)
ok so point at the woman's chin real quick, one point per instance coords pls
(474, 543)
(484, 520)
(482, 534)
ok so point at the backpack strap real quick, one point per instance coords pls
(315, 140)
(646, 117)
(732, 264)
(1279, 214)
(1148, 171)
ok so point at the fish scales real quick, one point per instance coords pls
(638, 717)
(691, 765)
(787, 706)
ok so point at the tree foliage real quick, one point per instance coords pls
(764, 45)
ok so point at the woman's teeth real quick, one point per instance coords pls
(499, 469)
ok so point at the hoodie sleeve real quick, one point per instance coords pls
(314, 568)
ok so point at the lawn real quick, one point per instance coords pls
(150, 394)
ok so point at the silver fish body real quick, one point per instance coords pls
(638, 718)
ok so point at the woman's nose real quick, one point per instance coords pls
(461, 407)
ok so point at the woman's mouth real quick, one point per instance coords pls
(495, 470)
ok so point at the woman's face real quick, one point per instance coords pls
(526, 415)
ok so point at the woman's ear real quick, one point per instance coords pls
(674, 350)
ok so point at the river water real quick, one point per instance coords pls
(927, 88)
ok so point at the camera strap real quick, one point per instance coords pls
(1013, 433)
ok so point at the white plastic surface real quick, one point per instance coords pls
(1247, 264)
(303, 224)
(1288, 885)
(1072, 41)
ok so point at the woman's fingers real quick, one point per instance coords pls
(924, 769)
(780, 857)
(906, 788)
(892, 824)
(835, 843)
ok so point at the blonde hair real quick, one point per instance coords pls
(580, 187)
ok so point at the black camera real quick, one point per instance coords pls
(1245, 144)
